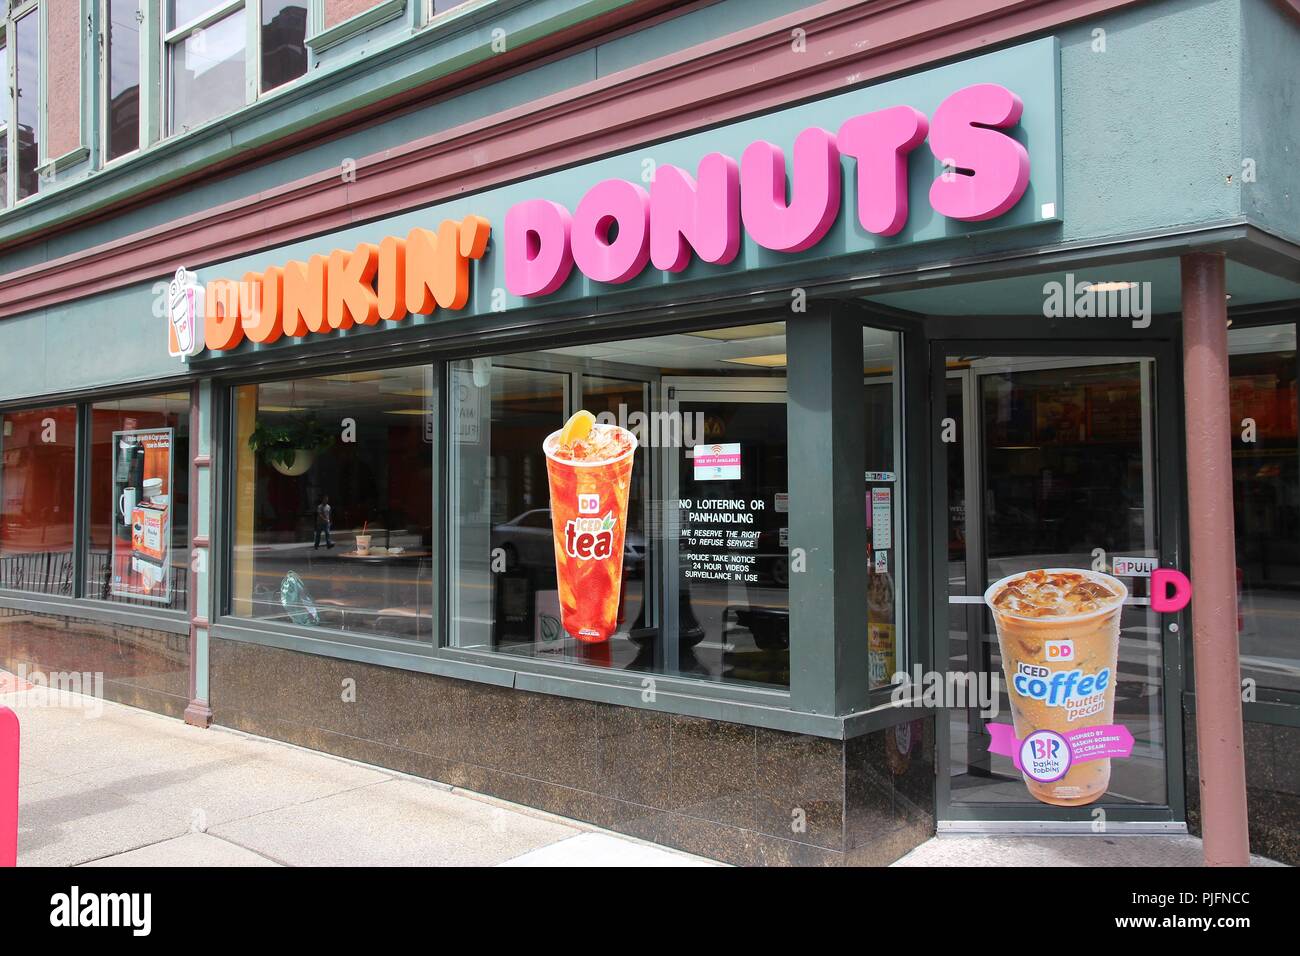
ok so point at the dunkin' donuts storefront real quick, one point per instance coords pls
(784, 491)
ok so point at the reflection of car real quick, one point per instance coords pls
(527, 541)
(773, 558)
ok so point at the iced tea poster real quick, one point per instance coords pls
(140, 560)
(589, 469)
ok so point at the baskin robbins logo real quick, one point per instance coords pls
(1080, 694)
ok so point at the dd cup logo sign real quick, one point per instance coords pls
(590, 470)
(1058, 631)
(185, 314)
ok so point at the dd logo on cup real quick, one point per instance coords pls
(1045, 756)
(588, 504)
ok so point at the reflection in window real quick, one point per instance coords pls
(1266, 501)
(139, 474)
(333, 502)
(884, 506)
(122, 112)
(27, 94)
(701, 586)
(284, 42)
(4, 131)
(181, 12)
(207, 73)
(38, 449)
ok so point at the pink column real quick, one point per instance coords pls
(1214, 571)
(8, 787)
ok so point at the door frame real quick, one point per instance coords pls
(1170, 497)
(673, 390)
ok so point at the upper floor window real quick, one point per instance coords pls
(284, 47)
(4, 126)
(121, 77)
(27, 102)
(216, 63)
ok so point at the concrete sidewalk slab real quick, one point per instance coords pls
(400, 823)
(193, 849)
(601, 849)
(1100, 850)
(102, 784)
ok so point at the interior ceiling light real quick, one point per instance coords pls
(356, 377)
(1110, 286)
(740, 333)
(762, 361)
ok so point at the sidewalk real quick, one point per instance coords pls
(126, 787)
(1117, 850)
(130, 788)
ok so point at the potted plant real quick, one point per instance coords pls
(290, 447)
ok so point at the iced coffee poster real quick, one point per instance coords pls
(589, 466)
(142, 495)
(1058, 632)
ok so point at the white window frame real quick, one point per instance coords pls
(20, 11)
(170, 38)
(6, 190)
(142, 65)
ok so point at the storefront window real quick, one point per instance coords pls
(884, 505)
(1266, 498)
(656, 543)
(38, 452)
(139, 501)
(333, 502)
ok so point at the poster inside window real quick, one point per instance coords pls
(142, 534)
(625, 505)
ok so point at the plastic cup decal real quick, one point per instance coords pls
(589, 467)
(1058, 632)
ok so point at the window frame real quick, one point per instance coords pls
(103, 92)
(169, 38)
(224, 471)
(826, 702)
(6, 190)
(21, 11)
(175, 621)
(1267, 695)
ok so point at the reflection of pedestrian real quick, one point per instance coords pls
(324, 523)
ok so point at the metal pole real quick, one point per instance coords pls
(1213, 552)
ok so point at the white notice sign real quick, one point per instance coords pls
(717, 462)
(882, 528)
(1133, 567)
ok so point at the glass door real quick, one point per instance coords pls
(1052, 467)
(727, 569)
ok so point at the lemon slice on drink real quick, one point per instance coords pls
(577, 427)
